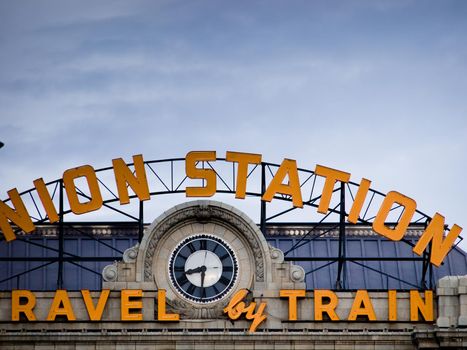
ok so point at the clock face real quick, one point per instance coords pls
(203, 268)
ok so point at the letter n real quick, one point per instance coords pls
(19, 216)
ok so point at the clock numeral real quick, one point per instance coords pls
(182, 281)
(202, 244)
(191, 289)
(181, 256)
(194, 249)
(215, 289)
(225, 281)
(191, 247)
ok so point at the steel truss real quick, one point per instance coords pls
(162, 180)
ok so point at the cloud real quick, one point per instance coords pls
(372, 87)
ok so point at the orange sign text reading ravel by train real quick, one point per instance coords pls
(284, 182)
(325, 305)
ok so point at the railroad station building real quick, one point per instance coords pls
(205, 275)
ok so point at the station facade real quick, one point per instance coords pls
(203, 275)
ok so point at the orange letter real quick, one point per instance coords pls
(95, 313)
(292, 295)
(47, 203)
(95, 202)
(359, 200)
(417, 304)
(20, 217)
(243, 160)
(332, 176)
(193, 172)
(409, 209)
(392, 305)
(362, 306)
(161, 313)
(435, 232)
(127, 305)
(124, 177)
(328, 308)
(292, 188)
(257, 316)
(237, 307)
(26, 309)
(61, 306)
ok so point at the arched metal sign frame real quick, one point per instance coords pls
(162, 177)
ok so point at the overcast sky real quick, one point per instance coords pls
(374, 88)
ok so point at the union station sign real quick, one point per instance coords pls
(285, 182)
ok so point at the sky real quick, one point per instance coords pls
(375, 88)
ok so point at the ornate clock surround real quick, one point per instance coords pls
(150, 259)
(204, 217)
(261, 268)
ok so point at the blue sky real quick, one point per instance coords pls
(375, 88)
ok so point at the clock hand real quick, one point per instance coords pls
(196, 270)
(192, 271)
(203, 273)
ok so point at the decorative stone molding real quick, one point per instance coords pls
(188, 311)
(452, 301)
(462, 289)
(277, 255)
(297, 273)
(203, 211)
(110, 273)
(129, 230)
(131, 254)
(351, 230)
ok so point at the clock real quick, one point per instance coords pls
(203, 268)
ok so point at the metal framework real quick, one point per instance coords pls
(163, 179)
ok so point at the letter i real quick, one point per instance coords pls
(359, 200)
(47, 202)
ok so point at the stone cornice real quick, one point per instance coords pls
(131, 230)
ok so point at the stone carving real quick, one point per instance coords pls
(188, 311)
(202, 213)
(277, 255)
(297, 273)
(131, 254)
(110, 273)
